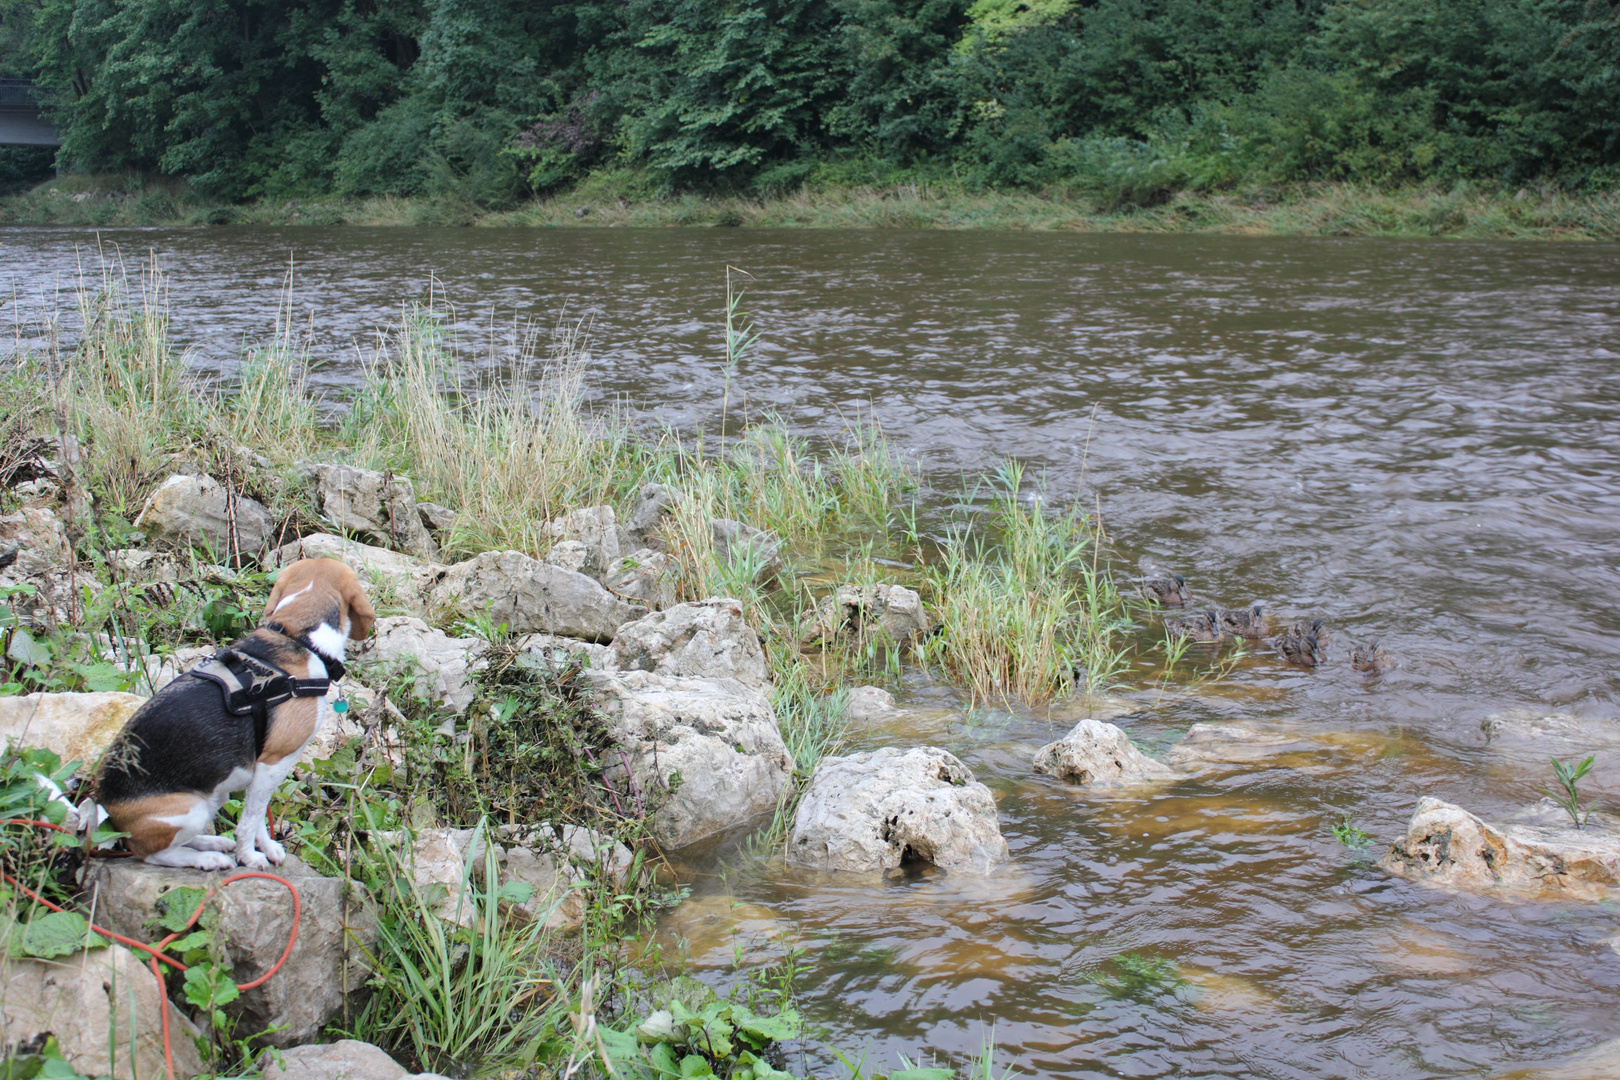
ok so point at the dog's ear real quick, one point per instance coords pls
(361, 614)
(279, 590)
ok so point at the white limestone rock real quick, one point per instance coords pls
(702, 754)
(1100, 755)
(645, 576)
(337, 926)
(74, 727)
(740, 545)
(872, 812)
(892, 614)
(527, 595)
(102, 1005)
(709, 639)
(1538, 852)
(380, 508)
(198, 511)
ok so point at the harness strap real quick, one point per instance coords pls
(251, 686)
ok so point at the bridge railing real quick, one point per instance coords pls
(21, 92)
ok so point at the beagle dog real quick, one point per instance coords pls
(235, 723)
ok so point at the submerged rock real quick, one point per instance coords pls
(886, 613)
(336, 928)
(526, 595)
(1537, 852)
(1100, 755)
(198, 511)
(701, 755)
(869, 702)
(745, 547)
(378, 507)
(103, 1007)
(74, 727)
(709, 639)
(875, 811)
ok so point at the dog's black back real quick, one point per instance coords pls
(184, 739)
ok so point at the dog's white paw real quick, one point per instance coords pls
(211, 843)
(272, 850)
(214, 860)
(248, 856)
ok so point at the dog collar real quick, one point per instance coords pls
(334, 667)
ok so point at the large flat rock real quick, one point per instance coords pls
(337, 926)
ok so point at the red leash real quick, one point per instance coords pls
(156, 951)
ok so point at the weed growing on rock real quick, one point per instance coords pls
(1567, 796)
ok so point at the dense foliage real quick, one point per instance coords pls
(1125, 100)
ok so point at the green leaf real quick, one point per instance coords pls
(102, 677)
(784, 1025)
(209, 986)
(659, 1028)
(923, 1074)
(663, 1059)
(695, 1065)
(176, 907)
(516, 892)
(28, 652)
(56, 934)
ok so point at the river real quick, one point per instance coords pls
(1415, 440)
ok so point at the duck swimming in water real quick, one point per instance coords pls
(1243, 622)
(1370, 657)
(1314, 628)
(1205, 627)
(1300, 645)
(1170, 591)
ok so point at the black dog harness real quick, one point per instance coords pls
(252, 686)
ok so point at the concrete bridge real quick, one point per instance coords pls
(21, 121)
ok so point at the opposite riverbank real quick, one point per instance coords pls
(626, 198)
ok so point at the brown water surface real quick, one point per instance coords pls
(1414, 440)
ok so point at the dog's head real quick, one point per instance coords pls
(315, 593)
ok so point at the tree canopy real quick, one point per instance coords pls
(1127, 99)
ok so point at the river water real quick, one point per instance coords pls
(1415, 440)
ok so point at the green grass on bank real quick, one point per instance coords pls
(630, 198)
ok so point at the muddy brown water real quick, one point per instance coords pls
(1415, 440)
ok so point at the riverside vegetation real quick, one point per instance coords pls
(1489, 118)
(1024, 604)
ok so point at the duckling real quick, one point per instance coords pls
(1204, 627)
(1314, 628)
(1170, 591)
(1370, 657)
(1243, 622)
(1300, 646)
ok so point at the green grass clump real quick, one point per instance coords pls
(1026, 608)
